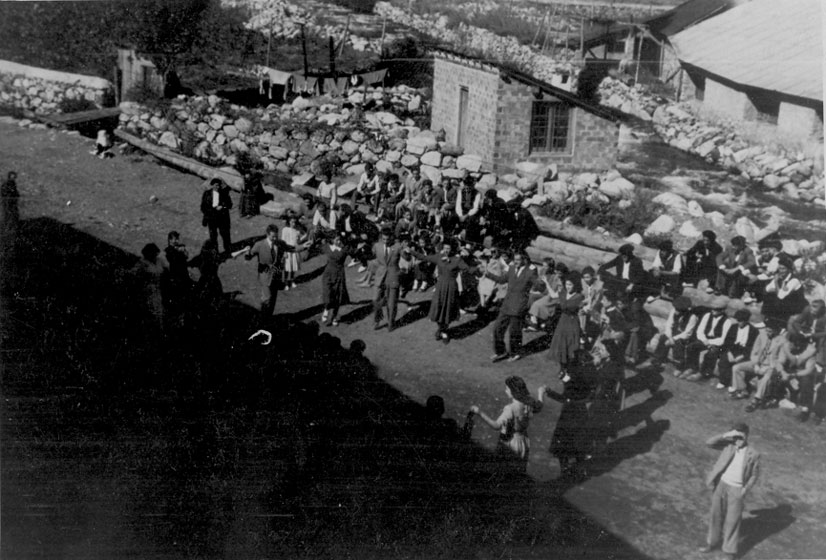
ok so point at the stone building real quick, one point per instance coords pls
(506, 116)
(136, 72)
(760, 62)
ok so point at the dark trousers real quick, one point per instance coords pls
(223, 229)
(678, 352)
(503, 323)
(733, 285)
(709, 361)
(389, 297)
(269, 295)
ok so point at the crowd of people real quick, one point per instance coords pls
(406, 234)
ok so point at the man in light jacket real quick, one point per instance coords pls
(733, 475)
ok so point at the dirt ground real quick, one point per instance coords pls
(644, 499)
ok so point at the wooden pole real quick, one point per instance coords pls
(344, 37)
(638, 56)
(332, 48)
(383, 30)
(117, 85)
(269, 45)
(304, 51)
(540, 27)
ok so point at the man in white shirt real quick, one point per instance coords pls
(711, 334)
(733, 475)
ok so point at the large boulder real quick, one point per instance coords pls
(455, 173)
(618, 188)
(556, 191)
(531, 170)
(384, 166)
(433, 159)
(748, 229)
(432, 173)
(169, 140)
(469, 162)
(689, 230)
(451, 149)
(423, 142)
(694, 209)
(279, 153)
(409, 160)
(393, 156)
(349, 147)
(243, 124)
(671, 200)
(230, 131)
(662, 225)
(508, 194)
(302, 103)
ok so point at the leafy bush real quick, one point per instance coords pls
(67, 105)
(591, 212)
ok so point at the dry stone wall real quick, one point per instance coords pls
(41, 91)
(788, 172)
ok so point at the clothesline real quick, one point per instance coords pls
(297, 82)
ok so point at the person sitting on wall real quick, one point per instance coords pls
(677, 334)
(666, 271)
(784, 295)
(624, 274)
(701, 261)
(734, 266)
(770, 252)
(711, 333)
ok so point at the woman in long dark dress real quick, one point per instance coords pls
(567, 333)
(444, 307)
(334, 280)
(571, 439)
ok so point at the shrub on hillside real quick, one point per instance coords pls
(76, 105)
(592, 212)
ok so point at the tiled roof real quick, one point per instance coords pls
(767, 44)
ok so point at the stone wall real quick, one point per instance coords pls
(448, 79)
(786, 169)
(41, 91)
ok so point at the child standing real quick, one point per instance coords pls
(291, 236)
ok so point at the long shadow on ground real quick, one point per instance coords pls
(118, 442)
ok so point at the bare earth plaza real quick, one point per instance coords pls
(412, 279)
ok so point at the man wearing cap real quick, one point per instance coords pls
(701, 260)
(678, 332)
(215, 206)
(770, 252)
(736, 347)
(732, 477)
(784, 295)
(667, 269)
(734, 265)
(762, 362)
(711, 333)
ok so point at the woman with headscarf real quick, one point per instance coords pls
(444, 307)
(514, 420)
(567, 333)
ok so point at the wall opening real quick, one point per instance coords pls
(550, 127)
(461, 130)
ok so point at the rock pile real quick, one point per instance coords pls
(562, 70)
(44, 96)
(791, 174)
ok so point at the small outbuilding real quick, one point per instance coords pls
(136, 72)
(762, 62)
(506, 116)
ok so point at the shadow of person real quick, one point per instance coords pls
(764, 523)
(469, 328)
(646, 379)
(355, 315)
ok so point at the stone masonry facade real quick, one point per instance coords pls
(499, 115)
(448, 80)
(592, 139)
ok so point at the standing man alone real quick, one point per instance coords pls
(734, 474)
(215, 206)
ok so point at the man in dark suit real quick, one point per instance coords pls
(215, 206)
(520, 278)
(270, 254)
(358, 232)
(387, 253)
(624, 273)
